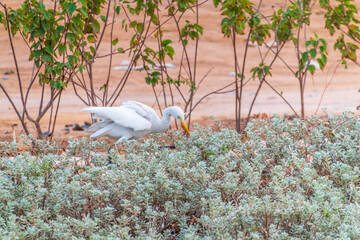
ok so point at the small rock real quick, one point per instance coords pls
(77, 127)
(289, 117)
(5, 78)
(46, 134)
(66, 129)
(8, 72)
(85, 126)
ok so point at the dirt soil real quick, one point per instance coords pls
(215, 55)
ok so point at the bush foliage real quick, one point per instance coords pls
(283, 180)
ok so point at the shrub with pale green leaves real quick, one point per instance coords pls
(282, 180)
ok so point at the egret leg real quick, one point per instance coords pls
(116, 149)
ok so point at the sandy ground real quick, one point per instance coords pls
(215, 55)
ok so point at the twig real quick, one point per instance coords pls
(326, 86)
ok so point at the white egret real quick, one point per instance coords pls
(131, 120)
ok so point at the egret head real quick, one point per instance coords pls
(179, 115)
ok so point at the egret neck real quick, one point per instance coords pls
(165, 121)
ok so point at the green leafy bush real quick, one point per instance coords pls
(283, 180)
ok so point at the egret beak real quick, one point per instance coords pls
(184, 126)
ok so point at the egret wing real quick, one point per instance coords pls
(141, 109)
(122, 116)
(98, 125)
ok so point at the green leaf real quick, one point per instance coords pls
(59, 30)
(47, 14)
(41, 5)
(171, 10)
(103, 18)
(49, 49)
(40, 32)
(313, 53)
(323, 41)
(25, 30)
(133, 41)
(82, 11)
(77, 21)
(304, 56)
(170, 51)
(131, 10)
(155, 74)
(91, 39)
(37, 54)
(321, 63)
(324, 58)
(57, 85)
(151, 62)
(36, 45)
(46, 24)
(81, 67)
(70, 8)
(96, 26)
(117, 10)
(83, 3)
(115, 41)
(139, 27)
(166, 42)
(198, 28)
(193, 35)
(62, 48)
(120, 50)
(72, 59)
(71, 47)
(46, 57)
(216, 2)
(352, 55)
(70, 37)
(31, 57)
(133, 24)
(37, 63)
(48, 68)
(103, 87)
(311, 68)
